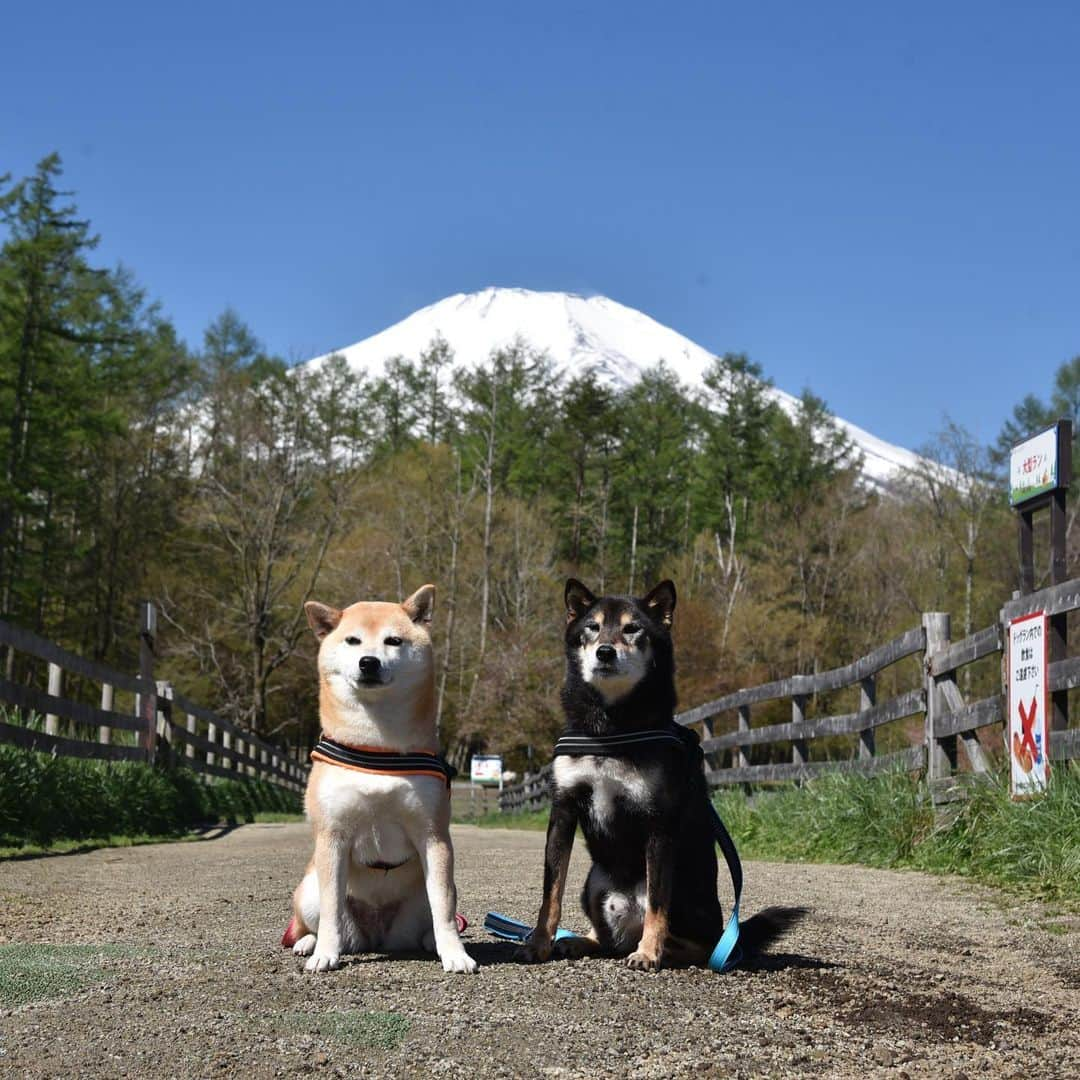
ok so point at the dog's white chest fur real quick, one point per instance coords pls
(374, 810)
(607, 779)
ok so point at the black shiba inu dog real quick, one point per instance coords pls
(651, 894)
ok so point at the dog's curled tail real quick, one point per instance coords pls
(764, 929)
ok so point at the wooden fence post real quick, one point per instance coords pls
(148, 696)
(798, 716)
(742, 760)
(940, 753)
(227, 760)
(867, 700)
(56, 688)
(189, 748)
(211, 735)
(104, 731)
(163, 729)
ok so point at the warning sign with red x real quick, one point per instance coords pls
(1028, 698)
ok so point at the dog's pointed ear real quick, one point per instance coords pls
(321, 618)
(420, 606)
(660, 602)
(578, 599)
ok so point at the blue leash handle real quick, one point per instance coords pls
(727, 953)
(512, 930)
(724, 956)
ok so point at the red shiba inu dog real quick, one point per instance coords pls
(382, 876)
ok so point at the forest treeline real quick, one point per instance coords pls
(231, 488)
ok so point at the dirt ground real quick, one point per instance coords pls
(891, 974)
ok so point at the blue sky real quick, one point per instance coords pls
(876, 201)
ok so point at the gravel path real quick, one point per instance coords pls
(892, 974)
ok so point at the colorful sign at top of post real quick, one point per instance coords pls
(1033, 466)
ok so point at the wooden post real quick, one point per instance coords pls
(56, 685)
(189, 725)
(148, 696)
(1056, 501)
(1059, 571)
(742, 759)
(227, 760)
(1027, 552)
(867, 700)
(163, 729)
(211, 734)
(104, 731)
(798, 716)
(940, 753)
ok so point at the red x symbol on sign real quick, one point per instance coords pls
(1027, 726)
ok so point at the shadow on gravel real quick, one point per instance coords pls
(784, 962)
(213, 832)
(488, 953)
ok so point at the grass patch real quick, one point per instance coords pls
(536, 819)
(45, 799)
(278, 817)
(371, 1030)
(888, 821)
(92, 843)
(39, 972)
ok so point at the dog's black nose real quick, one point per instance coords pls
(369, 665)
(605, 654)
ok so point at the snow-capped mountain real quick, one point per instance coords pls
(578, 333)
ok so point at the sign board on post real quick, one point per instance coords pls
(1028, 730)
(1033, 466)
(486, 769)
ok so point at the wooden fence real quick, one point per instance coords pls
(949, 721)
(149, 729)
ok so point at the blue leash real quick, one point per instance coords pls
(724, 956)
(727, 952)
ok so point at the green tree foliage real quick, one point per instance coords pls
(232, 488)
(89, 374)
(1032, 414)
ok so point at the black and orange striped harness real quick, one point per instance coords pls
(369, 759)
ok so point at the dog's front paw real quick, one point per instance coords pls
(323, 961)
(642, 961)
(459, 961)
(305, 946)
(534, 952)
(573, 948)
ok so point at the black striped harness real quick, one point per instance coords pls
(370, 759)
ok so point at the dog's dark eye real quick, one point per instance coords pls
(593, 627)
(392, 641)
(352, 641)
(631, 628)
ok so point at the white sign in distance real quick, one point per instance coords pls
(486, 768)
(1033, 466)
(1028, 732)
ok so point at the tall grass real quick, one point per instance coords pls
(45, 798)
(888, 821)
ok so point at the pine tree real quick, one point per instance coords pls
(651, 495)
(50, 323)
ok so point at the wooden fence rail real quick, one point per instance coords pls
(202, 740)
(949, 721)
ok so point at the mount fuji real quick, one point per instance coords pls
(578, 333)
